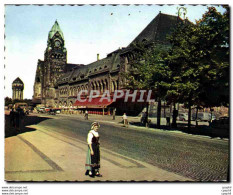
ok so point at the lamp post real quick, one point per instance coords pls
(182, 11)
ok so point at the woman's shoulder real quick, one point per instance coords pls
(95, 133)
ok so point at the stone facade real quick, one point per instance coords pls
(17, 88)
(57, 83)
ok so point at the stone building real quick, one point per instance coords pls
(17, 89)
(57, 82)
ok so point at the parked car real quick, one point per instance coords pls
(41, 109)
(58, 111)
(183, 117)
(47, 109)
(224, 120)
(213, 117)
(203, 116)
(221, 123)
(52, 112)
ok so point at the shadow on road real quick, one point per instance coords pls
(199, 130)
(28, 120)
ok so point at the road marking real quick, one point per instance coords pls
(32, 171)
(42, 155)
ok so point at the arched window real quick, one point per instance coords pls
(71, 104)
(113, 86)
(100, 86)
(96, 86)
(74, 91)
(71, 91)
(116, 85)
(104, 85)
(106, 81)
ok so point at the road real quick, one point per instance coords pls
(199, 158)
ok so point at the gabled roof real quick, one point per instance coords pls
(158, 29)
(82, 72)
(70, 67)
(18, 80)
(55, 28)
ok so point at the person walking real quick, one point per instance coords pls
(92, 165)
(12, 117)
(86, 115)
(125, 120)
(19, 119)
(114, 114)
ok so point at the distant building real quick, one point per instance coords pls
(57, 82)
(17, 88)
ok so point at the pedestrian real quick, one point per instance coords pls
(168, 121)
(125, 120)
(86, 115)
(19, 118)
(12, 117)
(143, 118)
(93, 152)
(114, 114)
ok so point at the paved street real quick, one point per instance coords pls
(133, 153)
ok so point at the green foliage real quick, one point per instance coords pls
(194, 69)
(199, 60)
(148, 70)
(215, 26)
(8, 101)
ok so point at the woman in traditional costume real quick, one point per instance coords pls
(93, 153)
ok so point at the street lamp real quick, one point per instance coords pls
(182, 11)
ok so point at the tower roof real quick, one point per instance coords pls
(18, 80)
(55, 28)
(158, 29)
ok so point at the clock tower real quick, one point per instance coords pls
(55, 60)
(55, 52)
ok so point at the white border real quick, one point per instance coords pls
(77, 188)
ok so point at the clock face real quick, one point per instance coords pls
(57, 43)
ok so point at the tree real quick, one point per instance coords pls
(149, 72)
(8, 101)
(194, 70)
(199, 61)
(215, 27)
(183, 60)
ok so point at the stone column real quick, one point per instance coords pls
(13, 94)
(16, 93)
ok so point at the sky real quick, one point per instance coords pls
(87, 29)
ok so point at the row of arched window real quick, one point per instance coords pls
(100, 85)
(63, 104)
(57, 56)
(74, 90)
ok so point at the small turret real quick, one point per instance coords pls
(17, 88)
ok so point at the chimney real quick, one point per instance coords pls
(98, 57)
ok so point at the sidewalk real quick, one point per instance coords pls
(43, 155)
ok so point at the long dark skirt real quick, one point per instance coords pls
(93, 161)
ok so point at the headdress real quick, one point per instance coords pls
(94, 124)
